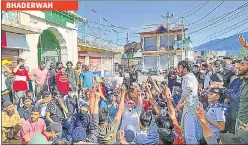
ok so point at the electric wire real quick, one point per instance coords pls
(206, 14)
(224, 16)
(221, 16)
(225, 38)
(240, 23)
(200, 7)
(238, 15)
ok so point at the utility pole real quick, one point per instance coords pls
(127, 54)
(183, 35)
(167, 17)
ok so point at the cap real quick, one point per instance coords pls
(6, 104)
(228, 138)
(216, 77)
(130, 133)
(57, 127)
(6, 62)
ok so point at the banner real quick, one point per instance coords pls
(39, 5)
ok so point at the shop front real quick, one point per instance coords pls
(12, 46)
(107, 63)
(100, 62)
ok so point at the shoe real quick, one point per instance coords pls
(6, 141)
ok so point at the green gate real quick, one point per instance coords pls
(48, 48)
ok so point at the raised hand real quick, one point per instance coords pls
(200, 112)
(167, 93)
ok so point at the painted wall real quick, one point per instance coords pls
(36, 19)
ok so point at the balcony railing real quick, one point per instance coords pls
(149, 48)
(11, 16)
(178, 44)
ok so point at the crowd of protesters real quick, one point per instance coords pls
(199, 103)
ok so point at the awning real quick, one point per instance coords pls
(14, 40)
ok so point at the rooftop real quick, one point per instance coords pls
(160, 28)
(99, 44)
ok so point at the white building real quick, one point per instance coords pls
(35, 36)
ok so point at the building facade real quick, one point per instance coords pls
(157, 52)
(99, 58)
(36, 36)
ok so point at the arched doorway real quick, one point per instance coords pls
(50, 45)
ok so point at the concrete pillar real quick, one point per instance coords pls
(32, 55)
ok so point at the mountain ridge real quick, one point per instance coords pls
(229, 44)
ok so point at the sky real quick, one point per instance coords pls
(135, 14)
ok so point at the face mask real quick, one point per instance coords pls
(216, 69)
(83, 114)
(195, 70)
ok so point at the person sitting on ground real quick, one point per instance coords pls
(108, 130)
(43, 103)
(10, 123)
(70, 101)
(131, 111)
(56, 109)
(148, 129)
(92, 135)
(31, 126)
(169, 130)
(127, 136)
(45, 137)
(79, 123)
(25, 111)
(30, 94)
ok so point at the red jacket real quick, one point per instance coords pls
(62, 83)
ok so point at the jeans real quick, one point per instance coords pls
(192, 130)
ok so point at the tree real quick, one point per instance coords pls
(242, 53)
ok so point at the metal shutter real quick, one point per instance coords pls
(11, 55)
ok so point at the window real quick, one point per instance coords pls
(150, 44)
(164, 41)
(179, 37)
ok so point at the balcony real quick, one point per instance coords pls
(11, 17)
(149, 48)
(13, 21)
(178, 45)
